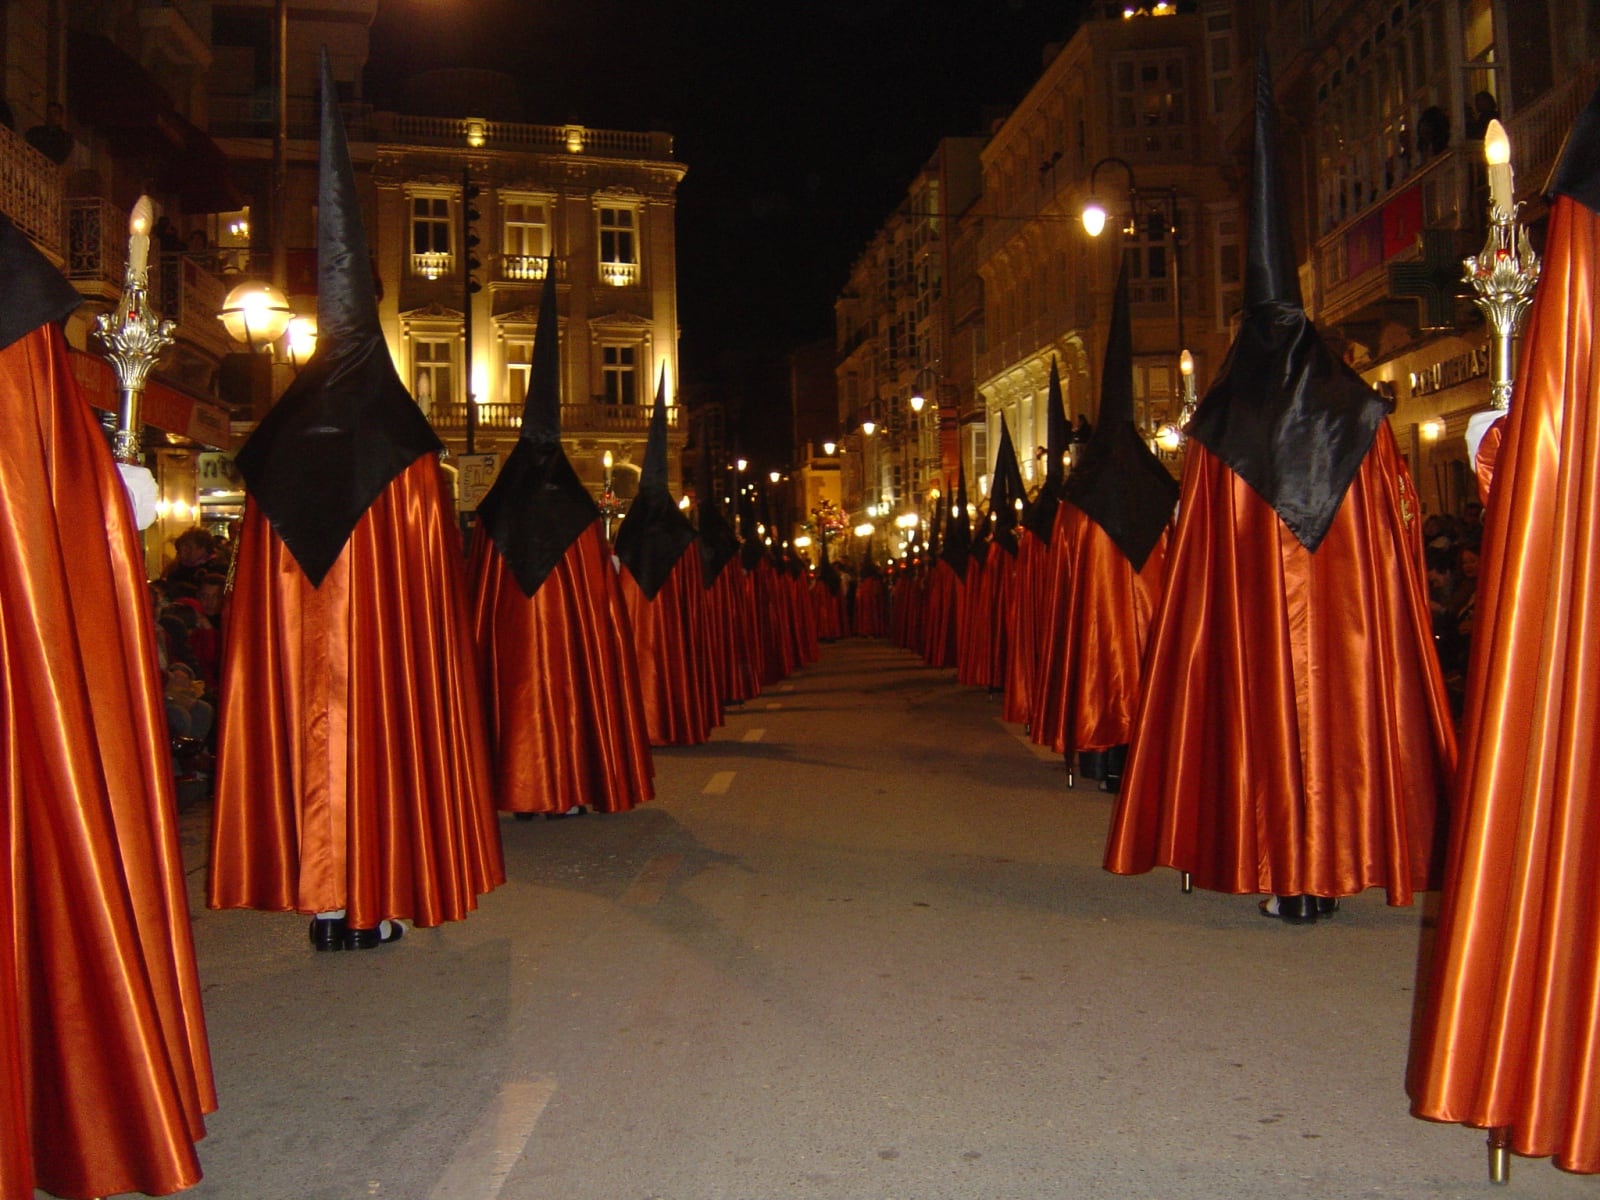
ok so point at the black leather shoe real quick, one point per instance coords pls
(524, 816)
(328, 933)
(1296, 910)
(371, 939)
(1327, 906)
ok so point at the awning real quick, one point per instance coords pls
(163, 407)
(108, 90)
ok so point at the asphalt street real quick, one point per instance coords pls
(861, 947)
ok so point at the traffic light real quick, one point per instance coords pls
(469, 218)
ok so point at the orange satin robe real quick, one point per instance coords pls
(669, 632)
(105, 1072)
(1293, 734)
(1096, 628)
(1508, 1031)
(352, 763)
(561, 682)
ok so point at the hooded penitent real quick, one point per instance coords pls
(942, 596)
(555, 651)
(1507, 1035)
(104, 1069)
(350, 721)
(665, 595)
(730, 598)
(1292, 735)
(1026, 649)
(990, 590)
(828, 599)
(1105, 568)
(870, 606)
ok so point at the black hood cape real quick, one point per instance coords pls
(32, 292)
(538, 506)
(655, 533)
(1040, 517)
(1119, 483)
(346, 427)
(1285, 413)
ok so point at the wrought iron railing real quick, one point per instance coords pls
(529, 268)
(30, 191)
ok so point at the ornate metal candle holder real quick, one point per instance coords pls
(1503, 276)
(134, 338)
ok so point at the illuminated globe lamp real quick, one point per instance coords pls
(869, 427)
(1094, 217)
(829, 447)
(917, 401)
(256, 314)
(301, 340)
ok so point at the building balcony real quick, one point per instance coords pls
(432, 264)
(595, 417)
(191, 295)
(30, 192)
(475, 133)
(97, 247)
(529, 268)
(619, 274)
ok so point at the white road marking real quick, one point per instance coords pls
(775, 704)
(753, 735)
(479, 1168)
(718, 784)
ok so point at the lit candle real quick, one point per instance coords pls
(139, 222)
(1497, 152)
(606, 460)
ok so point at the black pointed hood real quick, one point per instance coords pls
(1119, 483)
(538, 506)
(1577, 169)
(869, 569)
(1005, 491)
(346, 427)
(32, 292)
(1285, 413)
(1041, 514)
(655, 533)
(957, 526)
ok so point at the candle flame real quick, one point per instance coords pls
(1186, 363)
(139, 220)
(1496, 145)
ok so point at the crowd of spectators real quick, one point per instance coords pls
(1450, 554)
(187, 601)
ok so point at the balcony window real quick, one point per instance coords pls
(525, 238)
(433, 366)
(619, 247)
(1150, 104)
(619, 374)
(431, 226)
(519, 368)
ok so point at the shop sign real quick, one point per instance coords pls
(216, 472)
(474, 475)
(1451, 372)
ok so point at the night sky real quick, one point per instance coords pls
(801, 126)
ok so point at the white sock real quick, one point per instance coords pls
(335, 914)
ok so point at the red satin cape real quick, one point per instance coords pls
(871, 618)
(773, 619)
(1293, 734)
(1025, 642)
(989, 612)
(732, 604)
(680, 700)
(561, 682)
(352, 762)
(941, 615)
(1508, 1032)
(104, 1069)
(832, 621)
(1096, 628)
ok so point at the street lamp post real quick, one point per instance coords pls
(1149, 210)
